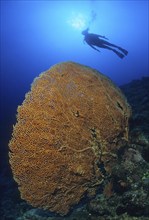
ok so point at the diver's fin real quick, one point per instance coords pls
(118, 54)
(123, 50)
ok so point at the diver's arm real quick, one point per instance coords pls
(97, 35)
(93, 47)
(103, 37)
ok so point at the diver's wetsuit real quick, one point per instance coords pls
(94, 40)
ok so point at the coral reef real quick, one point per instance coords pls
(69, 130)
(124, 197)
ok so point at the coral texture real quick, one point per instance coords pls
(72, 121)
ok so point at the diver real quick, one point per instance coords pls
(95, 40)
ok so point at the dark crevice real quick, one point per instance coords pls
(119, 105)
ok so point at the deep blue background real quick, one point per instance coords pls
(38, 34)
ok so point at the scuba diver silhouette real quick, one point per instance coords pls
(94, 40)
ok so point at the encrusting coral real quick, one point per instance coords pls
(73, 119)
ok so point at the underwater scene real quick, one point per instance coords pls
(74, 104)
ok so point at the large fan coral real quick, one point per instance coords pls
(72, 120)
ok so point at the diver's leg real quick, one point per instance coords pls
(120, 48)
(115, 51)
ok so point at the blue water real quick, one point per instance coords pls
(38, 34)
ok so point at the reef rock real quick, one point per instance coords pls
(73, 120)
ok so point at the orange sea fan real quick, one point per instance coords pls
(71, 121)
